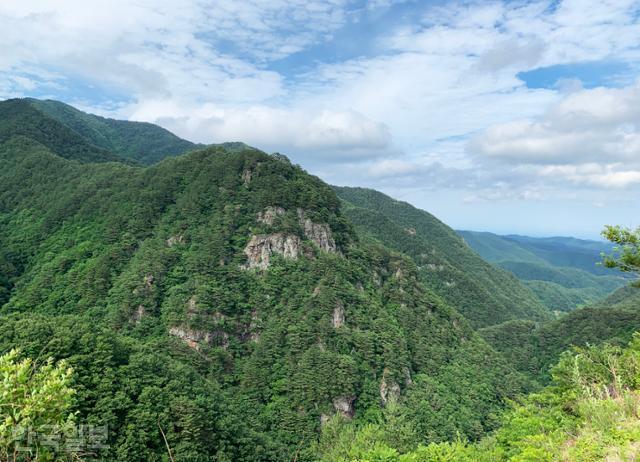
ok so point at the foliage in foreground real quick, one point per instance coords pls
(626, 255)
(33, 399)
(591, 412)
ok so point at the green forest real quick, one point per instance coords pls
(167, 301)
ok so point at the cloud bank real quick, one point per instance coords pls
(409, 97)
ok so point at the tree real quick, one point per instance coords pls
(34, 404)
(626, 254)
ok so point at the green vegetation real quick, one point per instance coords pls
(136, 141)
(533, 348)
(137, 278)
(564, 273)
(33, 399)
(226, 305)
(626, 256)
(625, 298)
(589, 413)
(19, 119)
(483, 294)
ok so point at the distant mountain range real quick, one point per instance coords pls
(563, 272)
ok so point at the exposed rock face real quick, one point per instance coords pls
(174, 240)
(190, 336)
(269, 215)
(320, 233)
(193, 338)
(338, 315)
(389, 389)
(410, 231)
(344, 405)
(192, 307)
(246, 176)
(138, 314)
(261, 247)
(407, 376)
(254, 335)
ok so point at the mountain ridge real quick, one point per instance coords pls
(563, 272)
(484, 294)
(142, 276)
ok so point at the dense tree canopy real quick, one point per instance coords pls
(226, 305)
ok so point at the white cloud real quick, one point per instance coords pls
(606, 176)
(591, 137)
(323, 133)
(401, 111)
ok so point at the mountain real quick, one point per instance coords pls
(141, 142)
(223, 299)
(533, 348)
(563, 272)
(627, 297)
(447, 265)
(21, 120)
(588, 413)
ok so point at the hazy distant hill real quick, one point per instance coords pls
(562, 272)
(484, 294)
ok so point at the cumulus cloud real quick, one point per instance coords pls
(324, 133)
(430, 99)
(590, 137)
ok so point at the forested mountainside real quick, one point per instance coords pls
(225, 305)
(223, 298)
(589, 413)
(533, 348)
(19, 118)
(141, 142)
(482, 293)
(625, 297)
(563, 272)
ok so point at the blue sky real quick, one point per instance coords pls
(513, 116)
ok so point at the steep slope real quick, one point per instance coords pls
(563, 272)
(223, 299)
(19, 119)
(532, 348)
(627, 297)
(589, 413)
(483, 294)
(137, 141)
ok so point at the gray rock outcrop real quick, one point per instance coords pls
(344, 406)
(261, 247)
(338, 315)
(320, 233)
(269, 214)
